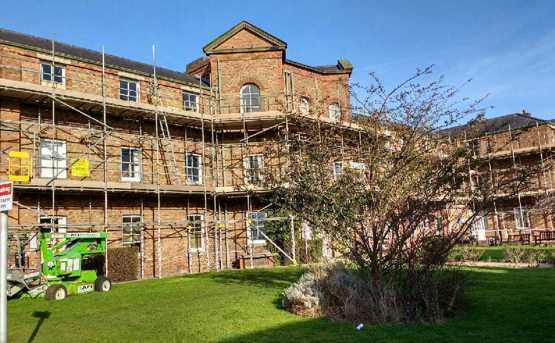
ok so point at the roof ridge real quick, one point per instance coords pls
(95, 55)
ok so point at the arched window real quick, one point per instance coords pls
(304, 106)
(334, 111)
(250, 98)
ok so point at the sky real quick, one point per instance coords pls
(507, 48)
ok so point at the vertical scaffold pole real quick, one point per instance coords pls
(105, 160)
(293, 241)
(156, 118)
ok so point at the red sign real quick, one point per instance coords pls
(6, 195)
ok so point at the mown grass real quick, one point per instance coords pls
(503, 305)
(498, 253)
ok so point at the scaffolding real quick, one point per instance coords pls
(213, 118)
(201, 131)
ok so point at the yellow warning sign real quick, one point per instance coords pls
(19, 166)
(80, 167)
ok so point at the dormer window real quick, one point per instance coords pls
(250, 98)
(334, 111)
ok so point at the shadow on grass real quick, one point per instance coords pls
(503, 305)
(279, 277)
(306, 331)
(42, 316)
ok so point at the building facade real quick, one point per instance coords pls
(504, 147)
(164, 161)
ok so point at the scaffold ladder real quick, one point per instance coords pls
(167, 153)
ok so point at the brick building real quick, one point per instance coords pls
(165, 161)
(504, 145)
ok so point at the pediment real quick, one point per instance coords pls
(244, 37)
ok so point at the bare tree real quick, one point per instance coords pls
(373, 190)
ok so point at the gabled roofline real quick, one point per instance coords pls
(277, 43)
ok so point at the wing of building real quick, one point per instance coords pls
(507, 145)
(165, 161)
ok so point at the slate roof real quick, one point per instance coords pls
(325, 69)
(502, 123)
(87, 55)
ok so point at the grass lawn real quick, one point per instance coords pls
(503, 305)
(497, 253)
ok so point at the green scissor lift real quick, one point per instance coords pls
(64, 257)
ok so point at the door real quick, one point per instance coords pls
(53, 159)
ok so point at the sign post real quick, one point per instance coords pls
(6, 202)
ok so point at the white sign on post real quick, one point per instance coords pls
(6, 195)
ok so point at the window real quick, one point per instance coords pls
(334, 111)
(479, 227)
(337, 169)
(53, 159)
(360, 166)
(128, 90)
(288, 90)
(522, 218)
(53, 73)
(250, 98)
(193, 169)
(190, 102)
(53, 224)
(304, 106)
(130, 164)
(131, 229)
(257, 226)
(254, 164)
(196, 230)
(440, 225)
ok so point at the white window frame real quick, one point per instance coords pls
(195, 218)
(522, 216)
(55, 165)
(359, 166)
(125, 94)
(480, 226)
(337, 165)
(137, 164)
(247, 99)
(258, 225)
(52, 74)
(259, 177)
(304, 105)
(134, 225)
(189, 168)
(334, 111)
(62, 223)
(187, 101)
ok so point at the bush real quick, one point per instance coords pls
(123, 263)
(466, 253)
(533, 257)
(345, 294)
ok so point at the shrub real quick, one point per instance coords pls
(123, 263)
(346, 294)
(466, 253)
(516, 254)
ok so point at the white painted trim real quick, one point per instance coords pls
(133, 77)
(56, 59)
(140, 172)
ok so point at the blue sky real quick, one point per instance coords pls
(506, 47)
